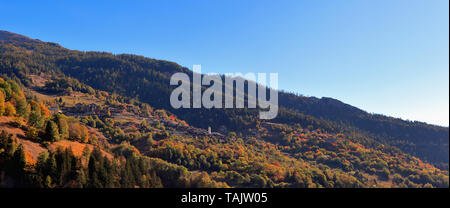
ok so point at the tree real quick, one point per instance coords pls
(258, 181)
(41, 162)
(63, 126)
(22, 107)
(14, 86)
(6, 88)
(19, 160)
(32, 132)
(48, 182)
(50, 166)
(86, 154)
(78, 132)
(2, 103)
(35, 118)
(81, 179)
(10, 110)
(84, 134)
(51, 131)
(44, 111)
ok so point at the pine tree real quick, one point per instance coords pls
(48, 182)
(50, 165)
(51, 131)
(22, 107)
(19, 157)
(35, 118)
(81, 179)
(41, 162)
(63, 126)
(86, 154)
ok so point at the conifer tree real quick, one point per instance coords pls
(22, 107)
(19, 159)
(81, 179)
(63, 126)
(48, 182)
(51, 131)
(50, 165)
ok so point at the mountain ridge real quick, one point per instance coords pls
(9, 36)
(5, 35)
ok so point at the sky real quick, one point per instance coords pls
(384, 56)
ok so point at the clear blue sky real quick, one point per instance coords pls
(384, 56)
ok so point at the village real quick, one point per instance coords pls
(132, 116)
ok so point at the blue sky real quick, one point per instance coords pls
(383, 56)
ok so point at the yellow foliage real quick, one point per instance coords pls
(10, 110)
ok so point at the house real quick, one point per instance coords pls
(94, 108)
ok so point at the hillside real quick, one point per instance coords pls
(42, 147)
(132, 76)
(312, 143)
(276, 155)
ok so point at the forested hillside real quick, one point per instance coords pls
(53, 137)
(133, 76)
(312, 143)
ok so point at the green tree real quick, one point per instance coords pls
(19, 160)
(63, 125)
(81, 179)
(50, 166)
(48, 182)
(51, 131)
(22, 107)
(35, 119)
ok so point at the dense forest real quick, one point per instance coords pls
(312, 143)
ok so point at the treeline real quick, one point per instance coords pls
(62, 168)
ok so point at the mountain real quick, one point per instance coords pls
(347, 140)
(13, 37)
(133, 75)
